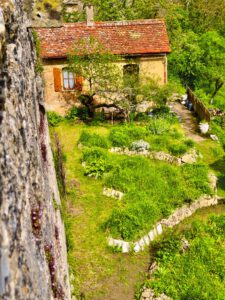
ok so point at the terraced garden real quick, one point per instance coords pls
(152, 190)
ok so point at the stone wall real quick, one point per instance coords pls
(32, 240)
(177, 217)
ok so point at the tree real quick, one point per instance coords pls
(109, 85)
(213, 60)
(98, 68)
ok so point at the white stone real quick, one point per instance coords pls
(159, 228)
(125, 247)
(214, 137)
(151, 235)
(142, 243)
(137, 247)
(147, 240)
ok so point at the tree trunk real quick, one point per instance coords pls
(218, 85)
(88, 102)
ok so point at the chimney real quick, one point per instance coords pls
(90, 15)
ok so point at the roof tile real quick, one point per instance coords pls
(123, 37)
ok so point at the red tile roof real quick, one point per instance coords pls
(121, 37)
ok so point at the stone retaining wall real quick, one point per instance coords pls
(189, 157)
(178, 216)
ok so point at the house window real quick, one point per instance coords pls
(131, 74)
(69, 80)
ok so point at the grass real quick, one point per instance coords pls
(197, 273)
(95, 268)
(145, 183)
(213, 155)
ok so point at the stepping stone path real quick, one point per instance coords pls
(188, 121)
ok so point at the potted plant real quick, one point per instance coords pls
(204, 126)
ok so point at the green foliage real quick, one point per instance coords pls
(158, 126)
(93, 154)
(123, 136)
(93, 140)
(197, 273)
(178, 149)
(72, 114)
(96, 168)
(216, 128)
(148, 194)
(54, 119)
(95, 64)
(38, 63)
(77, 113)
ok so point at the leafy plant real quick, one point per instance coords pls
(54, 119)
(158, 126)
(96, 168)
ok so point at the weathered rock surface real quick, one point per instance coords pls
(149, 294)
(32, 241)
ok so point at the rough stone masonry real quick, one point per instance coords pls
(32, 241)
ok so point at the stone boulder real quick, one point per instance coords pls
(140, 146)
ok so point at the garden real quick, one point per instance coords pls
(191, 262)
(151, 190)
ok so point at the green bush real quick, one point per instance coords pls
(54, 119)
(189, 143)
(127, 223)
(93, 140)
(96, 168)
(178, 149)
(93, 154)
(123, 223)
(72, 114)
(196, 176)
(158, 126)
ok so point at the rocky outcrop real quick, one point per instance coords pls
(32, 240)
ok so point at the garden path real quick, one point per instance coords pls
(188, 121)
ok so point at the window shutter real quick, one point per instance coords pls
(79, 83)
(57, 79)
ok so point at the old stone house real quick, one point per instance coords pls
(144, 41)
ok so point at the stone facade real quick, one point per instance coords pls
(32, 240)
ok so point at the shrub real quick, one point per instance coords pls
(96, 168)
(54, 119)
(123, 223)
(162, 110)
(92, 154)
(178, 149)
(72, 114)
(119, 137)
(141, 117)
(189, 143)
(83, 113)
(196, 176)
(94, 140)
(158, 126)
